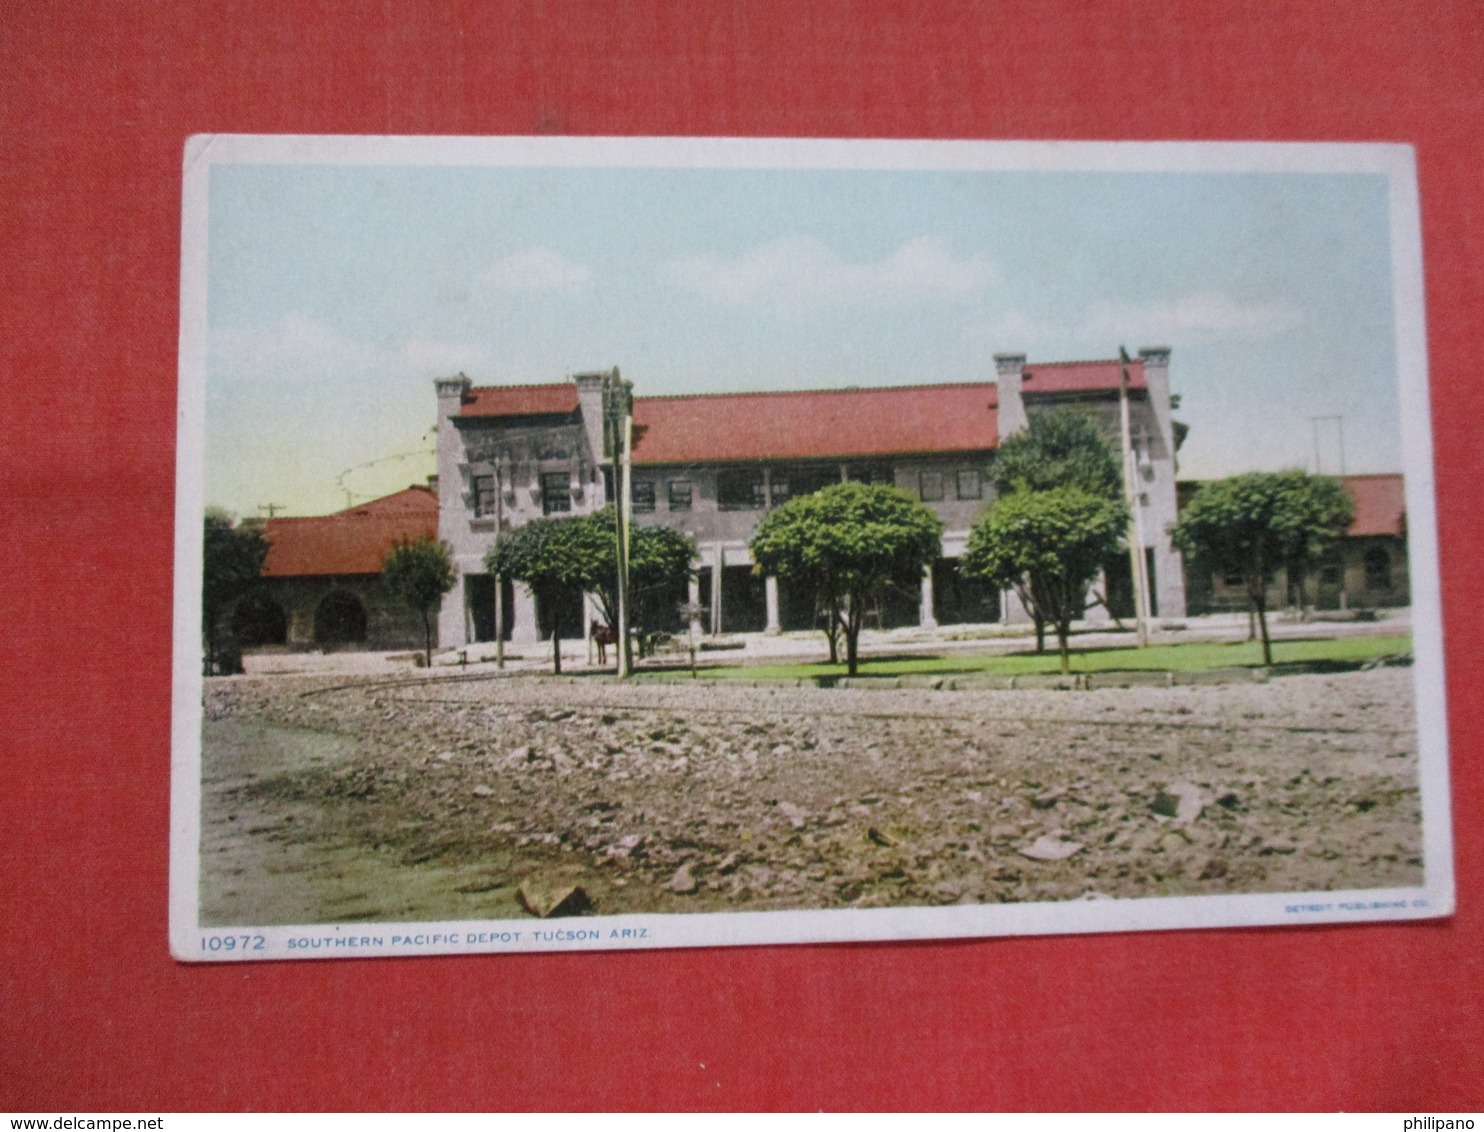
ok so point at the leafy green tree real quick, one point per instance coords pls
(1325, 511)
(419, 573)
(848, 542)
(1048, 546)
(659, 561)
(1061, 448)
(550, 556)
(1258, 523)
(232, 561)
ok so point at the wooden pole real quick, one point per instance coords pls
(1131, 493)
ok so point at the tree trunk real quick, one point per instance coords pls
(1259, 605)
(853, 618)
(427, 641)
(1040, 633)
(1063, 633)
(556, 640)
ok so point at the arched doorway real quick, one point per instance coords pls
(259, 620)
(340, 620)
(1377, 569)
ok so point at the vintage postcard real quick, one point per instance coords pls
(606, 543)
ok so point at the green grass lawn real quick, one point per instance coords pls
(1180, 658)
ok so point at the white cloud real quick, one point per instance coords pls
(801, 270)
(1196, 319)
(539, 270)
(302, 350)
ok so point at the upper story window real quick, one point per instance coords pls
(790, 482)
(930, 486)
(876, 471)
(680, 495)
(970, 486)
(641, 494)
(740, 489)
(484, 496)
(556, 492)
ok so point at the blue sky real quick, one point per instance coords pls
(336, 293)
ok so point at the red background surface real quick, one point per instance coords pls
(95, 104)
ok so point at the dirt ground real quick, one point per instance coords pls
(333, 799)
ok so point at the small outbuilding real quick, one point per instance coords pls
(322, 585)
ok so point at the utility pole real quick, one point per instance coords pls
(1339, 419)
(1131, 493)
(272, 508)
(618, 435)
(499, 581)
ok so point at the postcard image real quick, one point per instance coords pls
(608, 543)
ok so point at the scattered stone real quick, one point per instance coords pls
(1047, 800)
(796, 816)
(1215, 869)
(482, 792)
(1049, 848)
(446, 757)
(882, 838)
(1182, 801)
(553, 899)
(682, 882)
(728, 864)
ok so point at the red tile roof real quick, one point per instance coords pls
(354, 541)
(519, 400)
(1380, 504)
(817, 423)
(1079, 377)
(423, 500)
(821, 423)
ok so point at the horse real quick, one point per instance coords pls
(603, 636)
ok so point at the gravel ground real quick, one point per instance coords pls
(333, 799)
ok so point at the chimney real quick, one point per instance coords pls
(1156, 361)
(451, 393)
(590, 406)
(1009, 372)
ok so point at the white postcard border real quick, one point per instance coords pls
(189, 941)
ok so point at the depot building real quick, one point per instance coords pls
(711, 466)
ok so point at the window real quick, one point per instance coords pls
(556, 492)
(874, 472)
(791, 482)
(930, 486)
(1234, 579)
(740, 489)
(680, 495)
(1377, 569)
(484, 496)
(969, 485)
(641, 494)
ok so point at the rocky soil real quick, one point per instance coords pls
(331, 799)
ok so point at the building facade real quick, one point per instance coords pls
(321, 582)
(1365, 570)
(712, 465)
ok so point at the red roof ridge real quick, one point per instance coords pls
(524, 385)
(1083, 362)
(841, 389)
